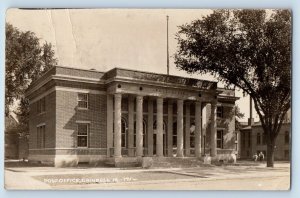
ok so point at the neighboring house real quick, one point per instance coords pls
(16, 142)
(11, 137)
(253, 141)
(86, 116)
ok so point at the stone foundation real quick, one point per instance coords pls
(68, 160)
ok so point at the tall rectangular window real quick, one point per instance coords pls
(82, 134)
(258, 139)
(40, 136)
(220, 112)
(220, 139)
(286, 154)
(83, 100)
(286, 137)
(264, 140)
(249, 139)
(41, 105)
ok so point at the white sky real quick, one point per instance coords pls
(106, 38)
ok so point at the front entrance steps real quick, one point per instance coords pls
(123, 162)
(154, 162)
(176, 162)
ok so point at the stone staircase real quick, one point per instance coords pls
(125, 162)
(155, 162)
(175, 162)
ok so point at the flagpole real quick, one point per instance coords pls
(168, 45)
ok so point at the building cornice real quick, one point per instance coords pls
(116, 76)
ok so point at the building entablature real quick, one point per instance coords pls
(126, 81)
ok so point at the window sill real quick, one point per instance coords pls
(82, 108)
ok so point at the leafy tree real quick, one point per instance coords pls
(238, 115)
(248, 49)
(26, 59)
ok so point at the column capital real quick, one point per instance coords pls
(198, 102)
(214, 103)
(139, 97)
(118, 95)
(159, 100)
(180, 101)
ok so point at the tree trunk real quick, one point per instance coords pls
(270, 155)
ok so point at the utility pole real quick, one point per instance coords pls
(168, 72)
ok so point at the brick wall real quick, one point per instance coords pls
(281, 146)
(67, 114)
(227, 124)
(47, 117)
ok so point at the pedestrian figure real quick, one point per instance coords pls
(255, 156)
(261, 156)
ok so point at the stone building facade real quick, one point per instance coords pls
(90, 116)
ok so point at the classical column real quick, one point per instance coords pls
(187, 129)
(179, 128)
(150, 127)
(109, 122)
(213, 130)
(139, 126)
(117, 125)
(130, 126)
(170, 128)
(198, 128)
(159, 128)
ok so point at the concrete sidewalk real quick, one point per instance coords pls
(183, 178)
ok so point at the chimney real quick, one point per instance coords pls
(250, 119)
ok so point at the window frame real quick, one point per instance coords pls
(220, 112)
(87, 134)
(286, 137)
(249, 139)
(86, 101)
(220, 139)
(264, 139)
(258, 139)
(286, 154)
(41, 105)
(40, 136)
(124, 133)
